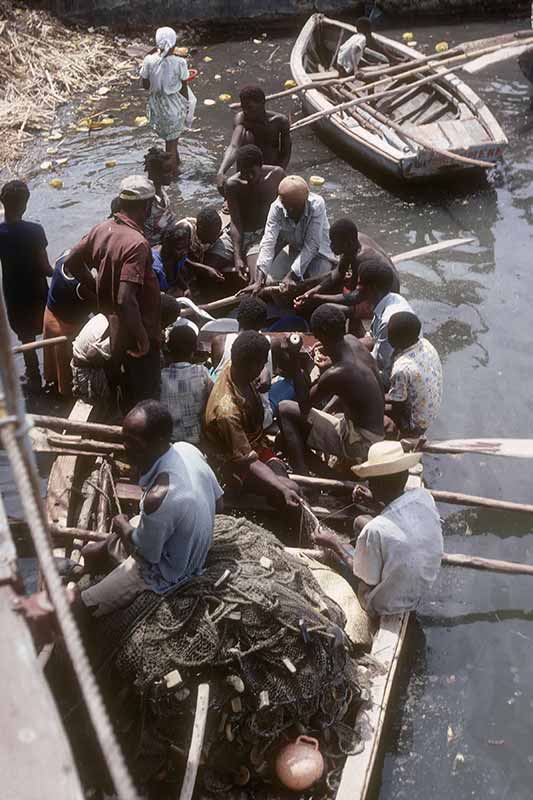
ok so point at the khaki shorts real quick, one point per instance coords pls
(116, 590)
(333, 435)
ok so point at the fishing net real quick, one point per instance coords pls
(256, 626)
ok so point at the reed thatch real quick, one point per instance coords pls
(43, 64)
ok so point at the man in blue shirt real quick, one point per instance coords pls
(171, 541)
(25, 267)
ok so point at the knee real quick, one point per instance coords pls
(286, 409)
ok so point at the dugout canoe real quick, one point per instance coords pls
(445, 114)
(66, 506)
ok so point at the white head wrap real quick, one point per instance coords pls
(165, 39)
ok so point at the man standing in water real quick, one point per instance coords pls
(250, 193)
(269, 130)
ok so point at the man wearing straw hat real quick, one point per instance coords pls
(398, 553)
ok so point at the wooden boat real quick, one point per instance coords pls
(66, 504)
(444, 114)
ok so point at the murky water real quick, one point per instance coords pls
(463, 725)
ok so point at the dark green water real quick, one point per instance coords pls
(464, 721)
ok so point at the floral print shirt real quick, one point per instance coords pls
(416, 377)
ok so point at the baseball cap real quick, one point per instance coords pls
(136, 187)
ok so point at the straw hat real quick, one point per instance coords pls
(386, 458)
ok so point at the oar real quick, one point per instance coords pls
(451, 559)
(453, 498)
(495, 58)
(447, 244)
(511, 448)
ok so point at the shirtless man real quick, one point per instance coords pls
(353, 249)
(353, 418)
(269, 130)
(250, 193)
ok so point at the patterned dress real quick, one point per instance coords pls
(417, 378)
(167, 107)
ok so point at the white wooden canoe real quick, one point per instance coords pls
(446, 114)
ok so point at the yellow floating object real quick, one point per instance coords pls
(182, 51)
(408, 36)
(111, 163)
(51, 151)
(441, 47)
(412, 44)
(225, 98)
(218, 77)
(62, 161)
(290, 84)
(55, 136)
(124, 106)
(140, 121)
(46, 165)
(317, 180)
(107, 121)
(56, 183)
(209, 102)
(207, 59)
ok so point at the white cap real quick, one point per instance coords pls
(386, 458)
(136, 187)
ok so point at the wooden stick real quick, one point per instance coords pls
(24, 348)
(197, 741)
(454, 498)
(451, 559)
(222, 303)
(489, 564)
(64, 424)
(58, 532)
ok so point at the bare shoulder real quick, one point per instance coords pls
(280, 119)
(156, 494)
(238, 119)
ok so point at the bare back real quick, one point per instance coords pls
(249, 203)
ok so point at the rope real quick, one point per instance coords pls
(89, 688)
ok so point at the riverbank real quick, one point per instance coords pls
(44, 64)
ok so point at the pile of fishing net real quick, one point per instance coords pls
(258, 628)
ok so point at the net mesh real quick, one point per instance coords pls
(257, 626)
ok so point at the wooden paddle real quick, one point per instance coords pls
(510, 448)
(24, 348)
(451, 559)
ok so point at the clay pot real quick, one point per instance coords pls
(300, 764)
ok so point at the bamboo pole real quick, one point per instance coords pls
(24, 348)
(65, 424)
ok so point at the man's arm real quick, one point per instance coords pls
(272, 484)
(398, 399)
(235, 225)
(311, 246)
(230, 154)
(130, 317)
(76, 263)
(43, 263)
(285, 143)
(269, 241)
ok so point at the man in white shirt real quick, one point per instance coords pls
(297, 218)
(398, 553)
(374, 286)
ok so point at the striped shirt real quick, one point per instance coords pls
(185, 388)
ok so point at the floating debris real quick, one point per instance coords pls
(106, 121)
(141, 121)
(441, 47)
(317, 180)
(225, 98)
(51, 151)
(290, 84)
(124, 106)
(55, 136)
(103, 90)
(209, 102)
(62, 161)
(56, 183)
(46, 165)
(218, 77)
(110, 164)
(412, 44)
(207, 59)
(408, 36)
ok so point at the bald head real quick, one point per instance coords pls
(293, 192)
(146, 431)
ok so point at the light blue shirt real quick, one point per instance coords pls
(308, 238)
(172, 543)
(383, 352)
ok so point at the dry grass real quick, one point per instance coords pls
(43, 64)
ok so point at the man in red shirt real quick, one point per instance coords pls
(126, 288)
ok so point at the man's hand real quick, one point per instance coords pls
(142, 344)
(362, 494)
(121, 525)
(252, 288)
(326, 539)
(321, 360)
(301, 300)
(211, 272)
(291, 497)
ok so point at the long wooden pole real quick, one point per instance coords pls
(197, 741)
(25, 348)
(88, 428)
(451, 559)
(454, 498)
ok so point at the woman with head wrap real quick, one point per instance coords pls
(166, 76)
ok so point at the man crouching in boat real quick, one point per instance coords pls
(234, 425)
(177, 513)
(397, 555)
